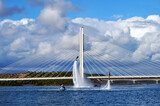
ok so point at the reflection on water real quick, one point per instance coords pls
(50, 95)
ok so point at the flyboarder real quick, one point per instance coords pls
(76, 58)
(108, 75)
(62, 87)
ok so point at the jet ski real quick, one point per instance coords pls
(62, 88)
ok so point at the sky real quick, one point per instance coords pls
(126, 30)
(103, 10)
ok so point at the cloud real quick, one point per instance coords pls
(52, 18)
(8, 11)
(20, 48)
(11, 28)
(44, 48)
(54, 14)
(156, 56)
(137, 35)
(153, 18)
(149, 47)
(68, 42)
(117, 16)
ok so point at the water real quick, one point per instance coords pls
(140, 95)
(78, 81)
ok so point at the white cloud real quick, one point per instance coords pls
(131, 39)
(148, 47)
(138, 35)
(10, 27)
(53, 18)
(54, 13)
(154, 18)
(68, 42)
(138, 26)
(44, 48)
(20, 48)
(18, 44)
(117, 16)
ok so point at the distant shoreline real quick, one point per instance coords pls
(36, 83)
(67, 82)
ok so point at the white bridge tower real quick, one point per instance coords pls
(81, 52)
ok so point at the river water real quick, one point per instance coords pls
(131, 95)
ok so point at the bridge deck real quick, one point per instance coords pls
(90, 77)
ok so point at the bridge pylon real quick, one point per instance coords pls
(81, 35)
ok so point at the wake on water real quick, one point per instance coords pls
(80, 82)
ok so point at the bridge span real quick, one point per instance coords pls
(152, 77)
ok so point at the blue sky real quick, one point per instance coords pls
(101, 9)
(105, 9)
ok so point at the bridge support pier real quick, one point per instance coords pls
(156, 81)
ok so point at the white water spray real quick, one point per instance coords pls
(78, 80)
(107, 86)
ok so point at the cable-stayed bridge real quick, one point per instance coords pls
(96, 60)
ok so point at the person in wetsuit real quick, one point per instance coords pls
(62, 86)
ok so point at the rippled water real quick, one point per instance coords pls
(139, 95)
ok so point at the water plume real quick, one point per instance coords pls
(78, 80)
(107, 86)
